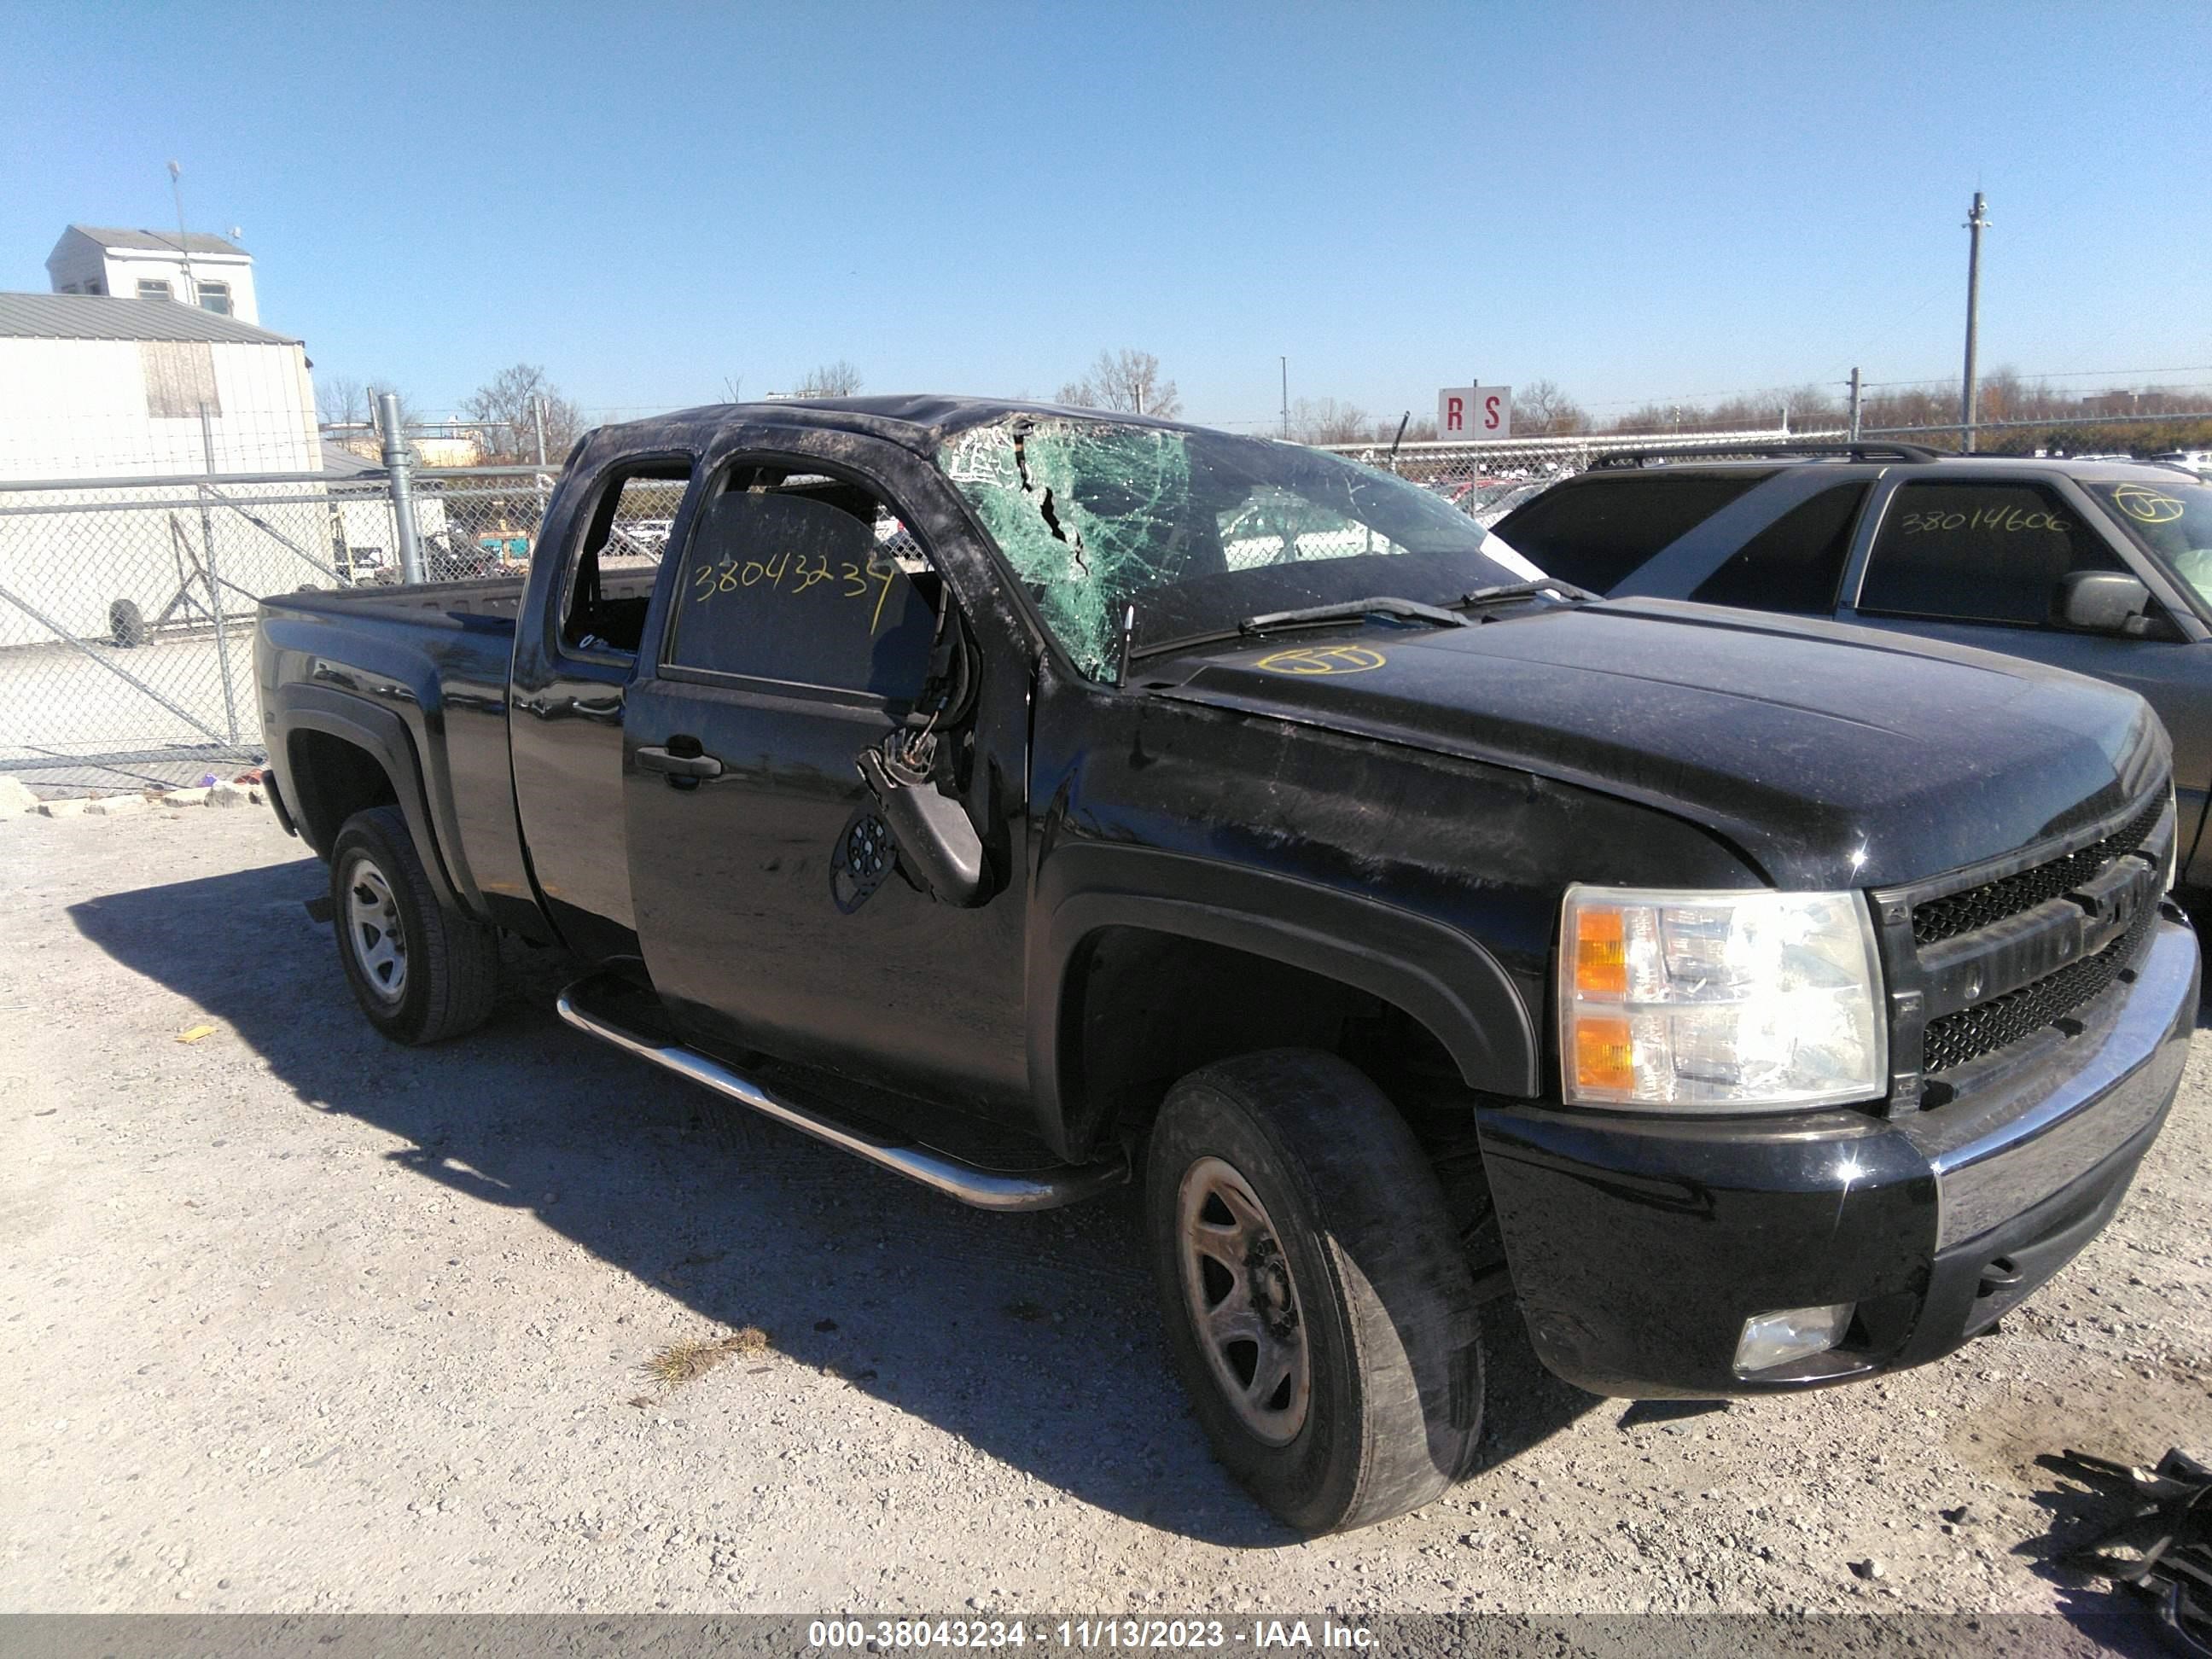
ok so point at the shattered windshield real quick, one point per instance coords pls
(1197, 529)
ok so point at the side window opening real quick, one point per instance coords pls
(1988, 552)
(1596, 532)
(806, 580)
(618, 559)
(1797, 562)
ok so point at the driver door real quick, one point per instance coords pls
(798, 631)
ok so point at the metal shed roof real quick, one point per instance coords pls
(158, 241)
(102, 317)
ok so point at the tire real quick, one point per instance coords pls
(421, 973)
(126, 623)
(1350, 1261)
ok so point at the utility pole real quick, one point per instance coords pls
(184, 237)
(1854, 405)
(1286, 398)
(1969, 396)
(538, 419)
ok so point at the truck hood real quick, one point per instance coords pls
(1830, 756)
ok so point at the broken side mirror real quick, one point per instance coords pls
(929, 831)
(2104, 602)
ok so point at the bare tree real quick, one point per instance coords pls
(1128, 380)
(341, 400)
(376, 389)
(1420, 428)
(509, 406)
(1541, 409)
(837, 379)
(1325, 421)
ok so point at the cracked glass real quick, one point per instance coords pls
(1195, 530)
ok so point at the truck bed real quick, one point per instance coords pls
(489, 598)
(434, 658)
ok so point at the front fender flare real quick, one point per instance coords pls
(1435, 973)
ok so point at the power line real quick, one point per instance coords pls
(2061, 374)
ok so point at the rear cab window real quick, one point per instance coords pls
(617, 559)
(1993, 551)
(1596, 532)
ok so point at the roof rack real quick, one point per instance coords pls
(1881, 451)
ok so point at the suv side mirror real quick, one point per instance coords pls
(2104, 602)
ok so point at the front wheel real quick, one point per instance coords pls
(1319, 1307)
(421, 972)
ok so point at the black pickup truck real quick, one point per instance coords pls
(1029, 799)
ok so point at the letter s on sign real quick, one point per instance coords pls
(1490, 414)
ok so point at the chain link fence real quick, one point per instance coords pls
(127, 606)
(1489, 479)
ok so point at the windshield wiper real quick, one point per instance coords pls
(1506, 592)
(1353, 611)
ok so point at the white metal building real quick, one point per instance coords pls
(195, 269)
(95, 388)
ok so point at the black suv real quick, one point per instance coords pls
(2101, 567)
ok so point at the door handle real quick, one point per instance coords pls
(678, 766)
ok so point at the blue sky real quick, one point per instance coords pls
(1634, 201)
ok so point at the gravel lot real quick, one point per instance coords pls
(298, 1320)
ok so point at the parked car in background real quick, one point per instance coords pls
(2198, 461)
(2101, 567)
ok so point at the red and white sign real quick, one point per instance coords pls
(1475, 412)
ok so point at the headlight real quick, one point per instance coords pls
(1717, 1001)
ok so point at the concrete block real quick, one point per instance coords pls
(186, 798)
(15, 796)
(227, 794)
(115, 806)
(73, 807)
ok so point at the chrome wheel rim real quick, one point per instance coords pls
(1242, 1303)
(375, 933)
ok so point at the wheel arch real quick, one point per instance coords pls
(1264, 951)
(342, 756)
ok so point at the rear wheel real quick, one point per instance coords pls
(1319, 1308)
(421, 972)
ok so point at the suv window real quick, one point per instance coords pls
(1596, 532)
(1796, 562)
(806, 580)
(1991, 552)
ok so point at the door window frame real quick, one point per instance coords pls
(660, 620)
(1875, 515)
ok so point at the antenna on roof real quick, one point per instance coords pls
(184, 239)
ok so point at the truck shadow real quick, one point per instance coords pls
(1034, 1338)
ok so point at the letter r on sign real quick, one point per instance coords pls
(1455, 414)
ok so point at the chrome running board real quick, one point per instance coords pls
(986, 1189)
